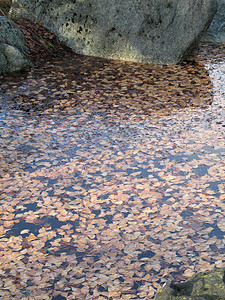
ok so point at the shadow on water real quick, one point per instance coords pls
(112, 86)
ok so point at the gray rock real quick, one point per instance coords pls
(12, 60)
(203, 286)
(12, 48)
(10, 34)
(216, 31)
(3, 63)
(146, 31)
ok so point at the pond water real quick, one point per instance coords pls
(112, 176)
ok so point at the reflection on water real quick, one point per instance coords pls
(112, 177)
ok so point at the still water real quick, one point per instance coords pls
(112, 176)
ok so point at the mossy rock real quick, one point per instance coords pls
(203, 286)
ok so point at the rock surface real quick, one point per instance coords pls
(203, 286)
(12, 48)
(11, 59)
(216, 31)
(10, 34)
(146, 31)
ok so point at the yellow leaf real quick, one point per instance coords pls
(221, 226)
(24, 231)
(31, 237)
(2, 231)
(114, 294)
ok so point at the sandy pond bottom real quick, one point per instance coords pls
(112, 177)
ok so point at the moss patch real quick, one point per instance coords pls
(208, 286)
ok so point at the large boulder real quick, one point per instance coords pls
(3, 63)
(216, 31)
(203, 286)
(12, 48)
(147, 31)
(12, 60)
(10, 34)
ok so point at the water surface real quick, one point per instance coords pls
(112, 176)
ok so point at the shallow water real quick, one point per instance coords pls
(112, 176)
